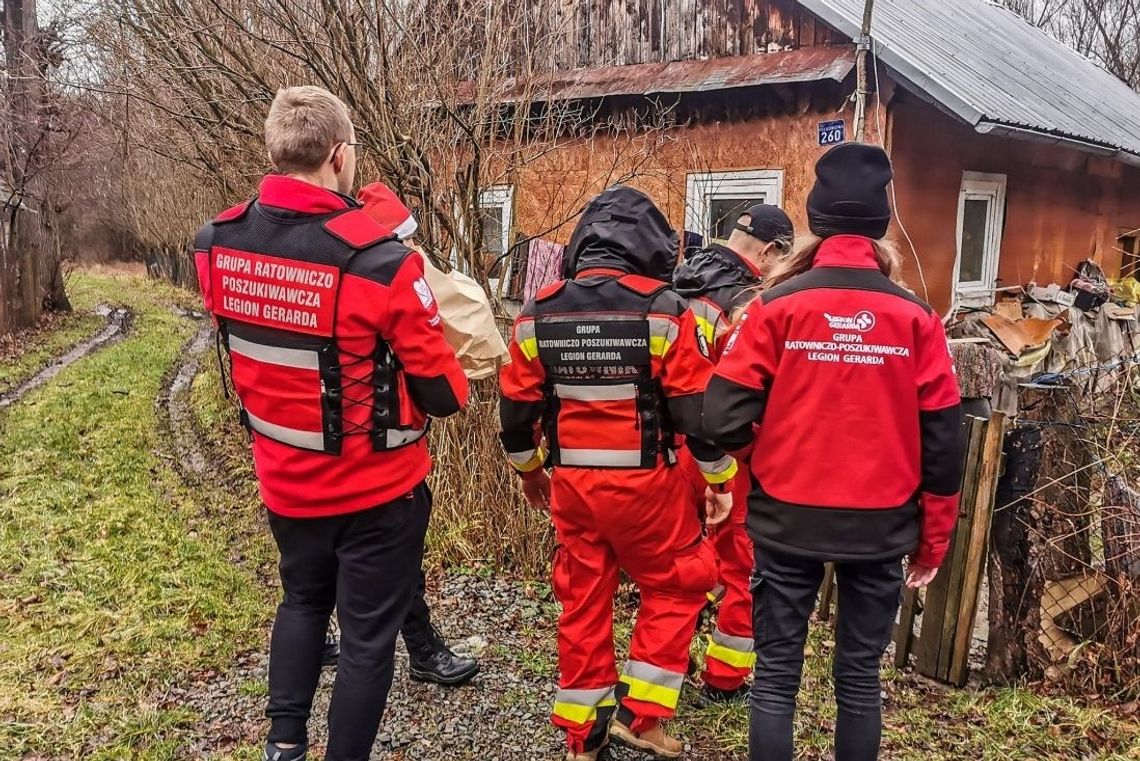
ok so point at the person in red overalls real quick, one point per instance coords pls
(845, 381)
(338, 358)
(605, 367)
(719, 280)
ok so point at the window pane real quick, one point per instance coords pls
(975, 215)
(492, 239)
(492, 230)
(723, 213)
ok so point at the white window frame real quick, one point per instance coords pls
(701, 188)
(500, 197)
(991, 188)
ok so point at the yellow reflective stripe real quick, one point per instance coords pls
(648, 692)
(734, 658)
(662, 333)
(529, 348)
(534, 462)
(707, 329)
(607, 702)
(723, 476)
(659, 345)
(575, 713)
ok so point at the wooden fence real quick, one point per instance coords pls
(948, 607)
(950, 604)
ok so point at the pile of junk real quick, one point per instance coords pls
(1084, 333)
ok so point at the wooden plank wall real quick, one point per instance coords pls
(621, 32)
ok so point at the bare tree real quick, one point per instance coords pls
(442, 114)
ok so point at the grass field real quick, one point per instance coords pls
(24, 353)
(110, 590)
(119, 582)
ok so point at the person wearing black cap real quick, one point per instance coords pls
(717, 281)
(845, 381)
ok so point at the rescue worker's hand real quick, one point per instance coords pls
(919, 575)
(717, 506)
(536, 488)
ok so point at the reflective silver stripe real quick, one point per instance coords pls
(400, 438)
(524, 329)
(649, 673)
(589, 698)
(717, 466)
(663, 327)
(704, 309)
(522, 458)
(304, 359)
(611, 458)
(294, 437)
(739, 644)
(596, 393)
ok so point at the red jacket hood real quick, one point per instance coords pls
(385, 207)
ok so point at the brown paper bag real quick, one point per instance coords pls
(468, 322)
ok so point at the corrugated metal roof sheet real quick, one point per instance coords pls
(803, 65)
(990, 67)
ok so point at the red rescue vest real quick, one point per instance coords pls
(276, 315)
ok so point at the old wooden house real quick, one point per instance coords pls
(1016, 158)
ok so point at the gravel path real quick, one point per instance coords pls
(502, 715)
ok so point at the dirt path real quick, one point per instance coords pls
(118, 322)
(173, 404)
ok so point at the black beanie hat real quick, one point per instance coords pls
(850, 193)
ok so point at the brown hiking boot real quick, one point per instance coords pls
(587, 755)
(653, 740)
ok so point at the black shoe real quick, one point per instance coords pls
(709, 695)
(331, 653)
(433, 661)
(275, 753)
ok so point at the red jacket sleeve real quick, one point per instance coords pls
(940, 418)
(202, 243)
(738, 390)
(414, 330)
(686, 366)
(521, 401)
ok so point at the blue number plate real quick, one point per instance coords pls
(832, 133)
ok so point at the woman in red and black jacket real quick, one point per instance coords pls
(856, 459)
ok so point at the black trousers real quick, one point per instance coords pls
(784, 592)
(417, 626)
(367, 566)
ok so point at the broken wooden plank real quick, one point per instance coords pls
(938, 593)
(977, 551)
(904, 629)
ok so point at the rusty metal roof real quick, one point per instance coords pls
(803, 65)
(997, 72)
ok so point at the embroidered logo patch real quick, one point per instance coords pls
(424, 293)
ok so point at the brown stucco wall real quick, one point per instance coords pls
(550, 189)
(1062, 205)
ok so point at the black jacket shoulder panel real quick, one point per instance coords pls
(668, 302)
(380, 262)
(204, 239)
(843, 278)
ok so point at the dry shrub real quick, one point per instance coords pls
(480, 516)
(1103, 544)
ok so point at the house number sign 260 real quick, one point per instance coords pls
(832, 133)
